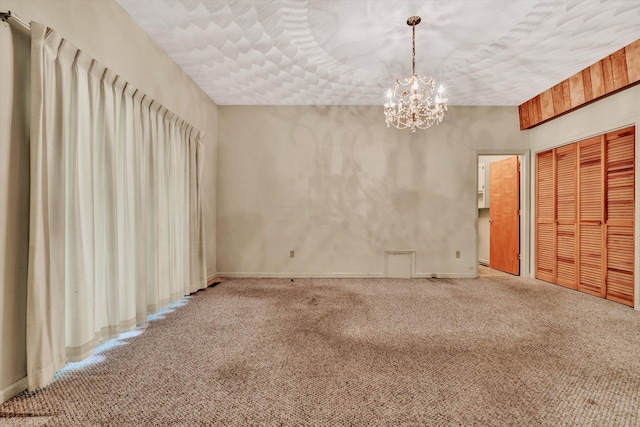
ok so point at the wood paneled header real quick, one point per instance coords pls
(617, 71)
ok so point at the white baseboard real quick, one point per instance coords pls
(14, 389)
(446, 275)
(339, 275)
(483, 262)
(302, 275)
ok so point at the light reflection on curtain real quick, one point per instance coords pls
(116, 228)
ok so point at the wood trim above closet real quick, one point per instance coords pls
(616, 72)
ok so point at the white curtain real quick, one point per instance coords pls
(14, 207)
(116, 226)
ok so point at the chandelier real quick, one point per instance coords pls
(411, 104)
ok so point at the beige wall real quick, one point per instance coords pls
(339, 188)
(614, 112)
(106, 32)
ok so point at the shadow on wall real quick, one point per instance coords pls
(337, 183)
(359, 188)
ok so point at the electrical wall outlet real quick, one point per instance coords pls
(292, 254)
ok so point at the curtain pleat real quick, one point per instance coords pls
(117, 228)
(78, 225)
(45, 283)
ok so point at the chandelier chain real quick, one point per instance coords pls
(413, 50)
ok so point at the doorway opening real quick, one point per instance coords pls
(502, 215)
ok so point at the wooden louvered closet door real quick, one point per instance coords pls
(585, 209)
(620, 184)
(590, 214)
(566, 216)
(545, 227)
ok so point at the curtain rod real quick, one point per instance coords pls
(13, 19)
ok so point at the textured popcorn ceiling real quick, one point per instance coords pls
(349, 52)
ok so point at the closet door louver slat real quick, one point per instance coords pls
(544, 265)
(591, 259)
(590, 180)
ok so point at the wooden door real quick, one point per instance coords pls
(545, 215)
(620, 212)
(565, 253)
(590, 216)
(504, 235)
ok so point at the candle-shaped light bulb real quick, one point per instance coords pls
(441, 89)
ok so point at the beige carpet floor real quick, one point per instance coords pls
(493, 351)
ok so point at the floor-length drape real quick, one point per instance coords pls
(14, 206)
(116, 227)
